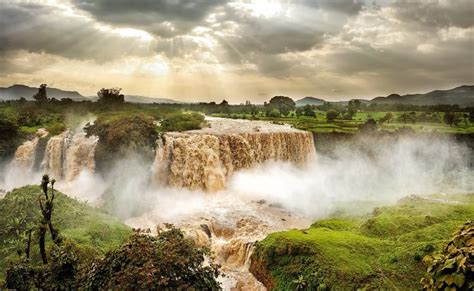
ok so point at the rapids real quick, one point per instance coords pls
(194, 167)
(204, 159)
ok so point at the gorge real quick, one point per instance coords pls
(234, 182)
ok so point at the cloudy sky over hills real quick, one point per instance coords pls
(192, 50)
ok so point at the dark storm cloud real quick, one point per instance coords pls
(43, 28)
(164, 18)
(435, 13)
(342, 6)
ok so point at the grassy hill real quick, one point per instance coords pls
(380, 250)
(92, 229)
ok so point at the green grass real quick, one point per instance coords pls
(380, 250)
(319, 123)
(93, 230)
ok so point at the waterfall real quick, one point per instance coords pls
(204, 161)
(68, 154)
(26, 154)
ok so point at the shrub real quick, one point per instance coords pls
(331, 115)
(274, 113)
(168, 261)
(125, 135)
(454, 268)
(182, 122)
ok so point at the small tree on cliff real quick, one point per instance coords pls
(111, 96)
(41, 96)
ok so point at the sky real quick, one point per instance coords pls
(209, 50)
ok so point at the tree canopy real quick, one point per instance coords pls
(283, 104)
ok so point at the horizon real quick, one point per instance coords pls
(259, 103)
(239, 50)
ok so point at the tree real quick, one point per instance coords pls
(369, 126)
(168, 261)
(46, 207)
(387, 117)
(449, 118)
(413, 116)
(308, 110)
(283, 104)
(111, 96)
(471, 116)
(224, 103)
(331, 114)
(41, 96)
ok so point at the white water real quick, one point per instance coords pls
(259, 198)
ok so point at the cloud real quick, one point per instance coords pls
(163, 18)
(436, 13)
(54, 30)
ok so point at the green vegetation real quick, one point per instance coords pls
(454, 267)
(133, 134)
(168, 261)
(84, 249)
(182, 122)
(381, 250)
(93, 231)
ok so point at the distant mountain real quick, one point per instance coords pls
(310, 101)
(17, 91)
(462, 96)
(143, 99)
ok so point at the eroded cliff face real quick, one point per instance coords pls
(205, 160)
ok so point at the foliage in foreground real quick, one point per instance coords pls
(454, 267)
(168, 261)
(379, 251)
(76, 260)
(90, 231)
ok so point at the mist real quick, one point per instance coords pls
(347, 178)
(374, 174)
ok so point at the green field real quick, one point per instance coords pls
(319, 123)
(381, 250)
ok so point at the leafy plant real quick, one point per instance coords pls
(454, 268)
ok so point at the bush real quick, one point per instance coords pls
(274, 113)
(454, 268)
(182, 122)
(122, 136)
(331, 115)
(168, 261)
(9, 133)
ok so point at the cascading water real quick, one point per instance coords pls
(68, 154)
(204, 159)
(192, 162)
(25, 155)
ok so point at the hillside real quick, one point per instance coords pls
(95, 231)
(143, 99)
(310, 101)
(463, 96)
(378, 251)
(17, 91)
